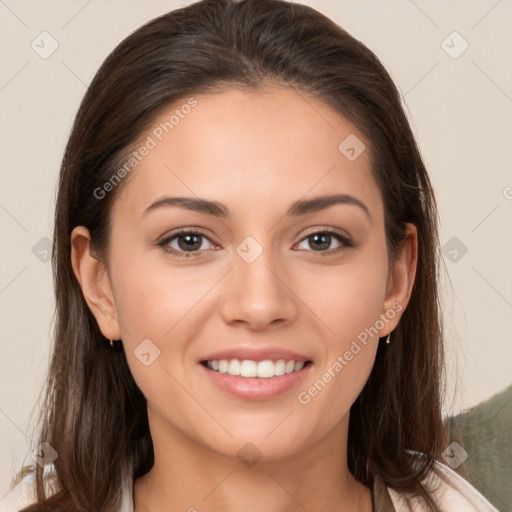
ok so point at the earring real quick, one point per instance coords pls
(387, 338)
(111, 343)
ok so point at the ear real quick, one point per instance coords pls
(400, 281)
(94, 280)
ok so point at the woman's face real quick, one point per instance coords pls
(258, 281)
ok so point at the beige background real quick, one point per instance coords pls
(460, 109)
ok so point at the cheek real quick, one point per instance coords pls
(152, 298)
(348, 299)
(157, 303)
(152, 309)
(327, 399)
(349, 302)
(343, 371)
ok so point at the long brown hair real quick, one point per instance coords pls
(93, 413)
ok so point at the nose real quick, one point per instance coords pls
(258, 294)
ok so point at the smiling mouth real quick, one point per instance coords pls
(248, 368)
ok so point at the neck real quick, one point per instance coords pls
(186, 476)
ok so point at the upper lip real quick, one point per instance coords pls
(255, 354)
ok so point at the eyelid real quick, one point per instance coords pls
(326, 229)
(185, 231)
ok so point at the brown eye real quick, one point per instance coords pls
(185, 243)
(189, 242)
(322, 241)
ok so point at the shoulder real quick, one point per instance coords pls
(23, 493)
(449, 490)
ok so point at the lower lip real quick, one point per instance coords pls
(253, 388)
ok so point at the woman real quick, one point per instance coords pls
(245, 258)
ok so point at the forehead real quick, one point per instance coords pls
(249, 149)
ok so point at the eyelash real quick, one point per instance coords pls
(346, 242)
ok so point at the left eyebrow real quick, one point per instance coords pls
(316, 204)
(300, 207)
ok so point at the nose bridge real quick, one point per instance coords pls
(256, 293)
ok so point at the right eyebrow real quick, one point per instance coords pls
(191, 203)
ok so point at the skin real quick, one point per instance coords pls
(255, 152)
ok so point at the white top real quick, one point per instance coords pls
(453, 494)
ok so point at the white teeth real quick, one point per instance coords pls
(223, 366)
(279, 367)
(261, 369)
(249, 368)
(234, 367)
(265, 369)
(298, 366)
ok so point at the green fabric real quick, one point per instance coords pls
(485, 433)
